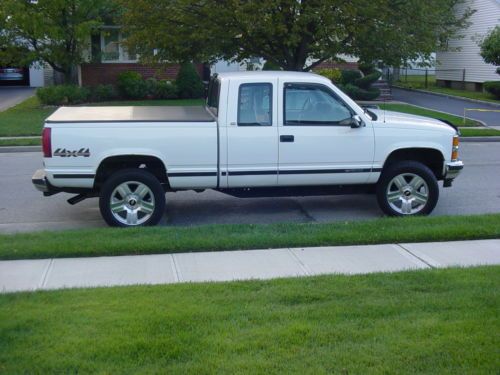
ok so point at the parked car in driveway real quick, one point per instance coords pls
(11, 74)
(260, 134)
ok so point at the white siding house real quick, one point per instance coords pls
(465, 68)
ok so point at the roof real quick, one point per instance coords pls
(271, 74)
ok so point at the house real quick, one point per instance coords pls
(108, 57)
(462, 66)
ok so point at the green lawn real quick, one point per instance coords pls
(27, 117)
(428, 322)
(418, 82)
(411, 109)
(116, 241)
(479, 132)
(21, 142)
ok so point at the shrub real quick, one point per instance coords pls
(366, 68)
(102, 93)
(366, 81)
(165, 90)
(357, 93)
(493, 87)
(132, 86)
(269, 65)
(349, 76)
(189, 84)
(63, 94)
(333, 74)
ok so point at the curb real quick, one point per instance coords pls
(12, 149)
(449, 96)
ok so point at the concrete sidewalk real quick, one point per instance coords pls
(29, 275)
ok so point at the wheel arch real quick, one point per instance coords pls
(430, 157)
(111, 164)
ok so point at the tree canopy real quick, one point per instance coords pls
(490, 48)
(53, 31)
(293, 34)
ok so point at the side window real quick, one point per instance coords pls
(307, 104)
(255, 104)
(213, 95)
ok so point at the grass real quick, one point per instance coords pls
(479, 132)
(429, 322)
(418, 82)
(411, 109)
(21, 142)
(27, 118)
(115, 241)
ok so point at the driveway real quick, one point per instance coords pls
(23, 208)
(450, 105)
(10, 96)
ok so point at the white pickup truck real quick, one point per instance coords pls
(260, 134)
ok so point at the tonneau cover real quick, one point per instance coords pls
(130, 114)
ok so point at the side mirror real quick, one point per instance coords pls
(356, 122)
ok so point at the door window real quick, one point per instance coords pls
(255, 104)
(307, 104)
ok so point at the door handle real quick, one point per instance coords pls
(287, 138)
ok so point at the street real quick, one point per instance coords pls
(454, 106)
(22, 208)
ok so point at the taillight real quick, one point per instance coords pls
(47, 142)
(454, 150)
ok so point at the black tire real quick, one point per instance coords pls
(407, 168)
(154, 198)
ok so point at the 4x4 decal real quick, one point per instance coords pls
(85, 152)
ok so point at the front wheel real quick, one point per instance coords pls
(407, 188)
(132, 197)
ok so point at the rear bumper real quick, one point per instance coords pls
(452, 170)
(41, 183)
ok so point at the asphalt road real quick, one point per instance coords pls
(10, 96)
(22, 208)
(450, 105)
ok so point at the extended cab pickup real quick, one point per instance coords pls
(260, 134)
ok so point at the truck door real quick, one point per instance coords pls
(317, 144)
(252, 133)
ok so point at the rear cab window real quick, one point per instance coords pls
(213, 95)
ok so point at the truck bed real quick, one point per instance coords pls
(130, 114)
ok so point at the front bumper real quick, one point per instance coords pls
(452, 170)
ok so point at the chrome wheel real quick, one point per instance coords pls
(132, 203)
(407, 193)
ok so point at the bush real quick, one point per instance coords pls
(189, 84)
(269, 65)
(102, 93)
(161, 89)
(357, 93)
(349, 76)
(493, 87)
(63, 94)
(333, 74)
(366, 81)
(366, 68)
(132, 86)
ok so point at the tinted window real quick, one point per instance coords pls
(255, 104)
(313, 105)
(213, 95)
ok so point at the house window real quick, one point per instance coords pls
(112, 48)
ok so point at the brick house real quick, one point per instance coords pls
(108, 57)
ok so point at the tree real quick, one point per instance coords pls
(293, 34)
(53, 31)
(490, 48)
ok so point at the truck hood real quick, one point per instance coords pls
(411, 121)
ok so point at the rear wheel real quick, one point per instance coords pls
(407, 188)
(132, 197)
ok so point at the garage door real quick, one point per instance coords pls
(14, 76)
